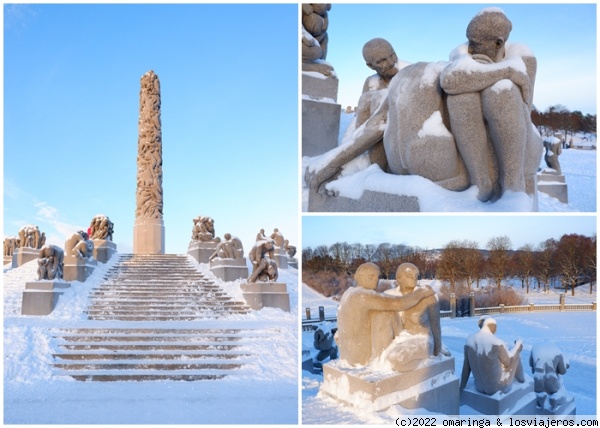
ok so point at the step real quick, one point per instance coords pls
(146, 356)
(145, 377)
(148, 366)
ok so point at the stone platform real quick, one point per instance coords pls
(229, 269)
(148, 236)
(104, 250)
(553, 185)
(370, 201)
(320, 114)
(40, 297)
(76, 269)
(431, 386)
(23, 255)
(202, 251)
(520, 400)
(260, 295)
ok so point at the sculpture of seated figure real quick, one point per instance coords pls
(494, 366)
(204, 230)
(357, 309)
(261, 255)
(314, 38)
(324, 343)
(490, 108)
(416, 332)
(472, 125)
(277, 237)
(50, 263)
(290, 249)
(79, 245)
(548, 365)
(230, 248)
(553, 150)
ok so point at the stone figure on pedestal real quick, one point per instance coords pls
(314, 38)
(462, 123)
(30, 237)
(10, 244)
(230, 248)
(79, 245)
(101, 228)
(553, 148)
(50, 263)
(289, 249)
(359, 306)
(264, 267)
(548, 364)
(323, 342)
(204, 230)
(277, 237)
(494, 366)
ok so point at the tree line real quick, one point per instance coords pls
(461, 264)
(558, 119)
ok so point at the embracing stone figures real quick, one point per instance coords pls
(460, 123)
(149, 228)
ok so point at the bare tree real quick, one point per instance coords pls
(523, 264)
(572, 251)
(450, 265)
(498, 259)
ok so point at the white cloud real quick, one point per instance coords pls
(50, 215)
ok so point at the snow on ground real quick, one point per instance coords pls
(574, 332)
(578, 166)
(262, 392)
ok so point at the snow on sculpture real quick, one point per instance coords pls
(548, 365)
(50, 263)
(101, 228)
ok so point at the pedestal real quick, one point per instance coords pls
(281, 258)
(40, 297)
(293, 263)
(229, 269)
(24, 255)
(553, 185)
(260, 295)
(104, 250)
(369, 202)
(431, 386)
(320, 114)
(202, 251)
(520, 400)
(76, 269)
(7, 260)
(565, 409)
(148, 236)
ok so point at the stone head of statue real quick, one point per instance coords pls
(367, 276)
(488, 323)
(227, 236)
(381, 57)
(488, 32)
(407, 276)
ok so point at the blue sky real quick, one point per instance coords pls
(435, 231)
(229, 86)
(562, 36)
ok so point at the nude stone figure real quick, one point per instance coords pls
(357, 308)
(277, 237)
(494, 366)
(548, 364)
(261, 255)
(101, 228)
(29, 236)
(462, 123)
(553, 148)
(50, 263)
(314, 38)
(204, 230)
(230, 248)
(79, 245)
(417, 331)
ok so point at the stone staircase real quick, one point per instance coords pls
(152, 318)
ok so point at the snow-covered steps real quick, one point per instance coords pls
(164, 287)
(145, 354)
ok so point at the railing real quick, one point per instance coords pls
(309, 323)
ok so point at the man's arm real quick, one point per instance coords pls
(466, 370)
(388, 302)
(433, 310)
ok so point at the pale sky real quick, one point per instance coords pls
(435, 231)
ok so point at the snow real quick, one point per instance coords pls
(264, 391)
(578, 166)
(573, 332)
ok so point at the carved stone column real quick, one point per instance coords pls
(148, 229)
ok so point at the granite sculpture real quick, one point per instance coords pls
(414, 334)
(494, 366)
(553, 148)
(358, 307)
(50, 263)
(548, 365)
(101, 228)
(30, 237)
(204, 230)
(289, 249)
(459, 124)
(314, 38)
(79, 245)
(10, 244)
(229, 248)
(324, 343)
(264, 268)
(149, 226)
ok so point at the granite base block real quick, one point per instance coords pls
(201, 251)
(260, 295)
(370, 201)
(520, 400)
(104, 250)
(229, 269)
(320, 126)
(40, 297)
(24, 255)
(78, 269)
(148, 236)
(431, 386)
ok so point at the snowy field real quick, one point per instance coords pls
(578, 166)
(263, 392)
(574, 332)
